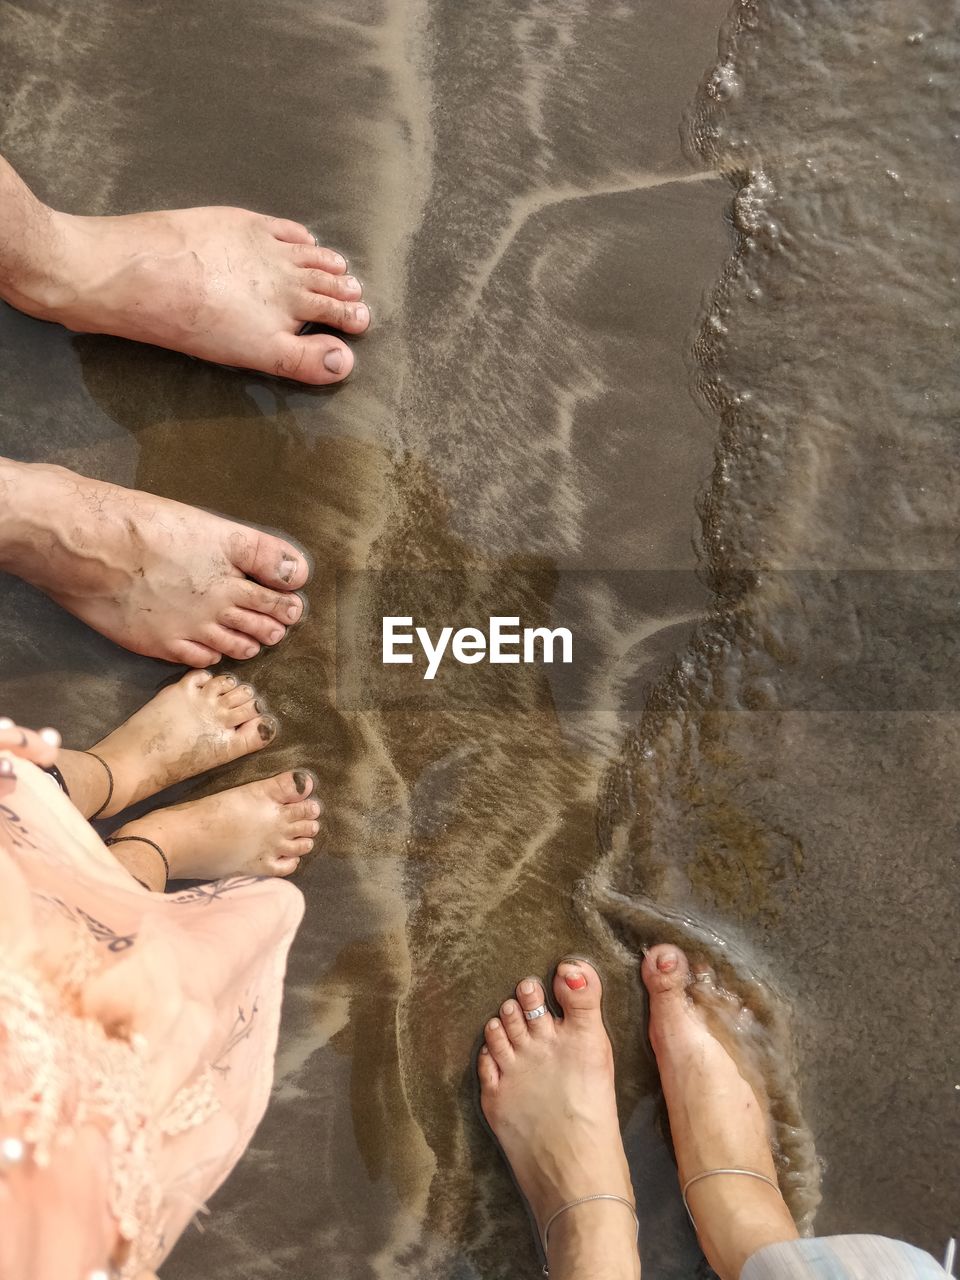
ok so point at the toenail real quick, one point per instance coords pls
(509, 1007)
(314, 810)
(294, 612)
(276, 635)
(493, 1024)
(361, 313)
(333, 360)
(339, 261)
(667, 963)
(231, 681)
(351, 282)
(527, 987)
(300, 779)
(288, 567)
(316, 828)
(259, 707)
(267, 729)
(484, 1049)
(575, 981)
(252, 651)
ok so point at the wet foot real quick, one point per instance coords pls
(201, 722)
(221, 284)
(261, 829)
(158, 577)
(547, 1092)
(717, 1119)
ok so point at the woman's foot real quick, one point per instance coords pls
(546, 1088)
(201, 722)
(158, 577)
(717, 1120)
(261, 829)
(221, 284)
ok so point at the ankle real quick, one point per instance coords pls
(734, 1220)
(142, 854)
(597, 1239)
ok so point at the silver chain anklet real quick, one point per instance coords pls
(572, 1205)
(712, 1173)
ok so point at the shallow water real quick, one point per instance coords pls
(591, 395)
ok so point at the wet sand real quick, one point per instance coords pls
(544, 416)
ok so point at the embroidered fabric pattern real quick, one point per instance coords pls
(61, 1068)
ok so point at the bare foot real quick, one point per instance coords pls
(158, 577)
(222, 284)
(717, 1119)
(261, 829)
(197, 724)
(546, 1088)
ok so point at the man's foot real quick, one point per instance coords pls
(221, 284)
(546, 1088)
(158, 577)
(717, 1120)
(201, 722)
(261, 829)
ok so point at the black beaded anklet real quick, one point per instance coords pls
(110, 840)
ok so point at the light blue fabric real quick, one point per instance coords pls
(842, 1258)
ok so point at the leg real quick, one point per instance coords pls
(157, 577)
(546, 1088)
(221, 284)
(716, 1121)
(200, 723)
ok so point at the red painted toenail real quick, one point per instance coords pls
(575, 981)
(667, 964)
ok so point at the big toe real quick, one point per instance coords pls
(270, 560)
(579, 991)
(319, 359)
(665, 972)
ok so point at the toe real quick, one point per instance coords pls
(665, 972)
(487, 1070)
(283, 865)
(515, 1025)
(255, 734)
(198, 680)
(579, 992)
(256, 625)
(304, 831)
(237, 695)
(315, 256)
(530, 995)
(498, 1042)
(285, 607)
(298, 848)
(191, 654)
(317, 308)
(304, 811)
(289, 788)
(234, 717)
(232, 644)
(291, 232)
(269, 560)
(319, 359)
(223, 685)
(346, 288)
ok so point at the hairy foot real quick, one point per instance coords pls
(221, 284)
(717, 1119)
(197, 724)
(261, 829)
(546, 1089)
(158, 577)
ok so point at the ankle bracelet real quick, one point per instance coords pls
(573, 1205)
(101, 760)
(111, 840)
(712, 1173)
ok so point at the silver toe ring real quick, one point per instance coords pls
(703, 977)
(531, 1015)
